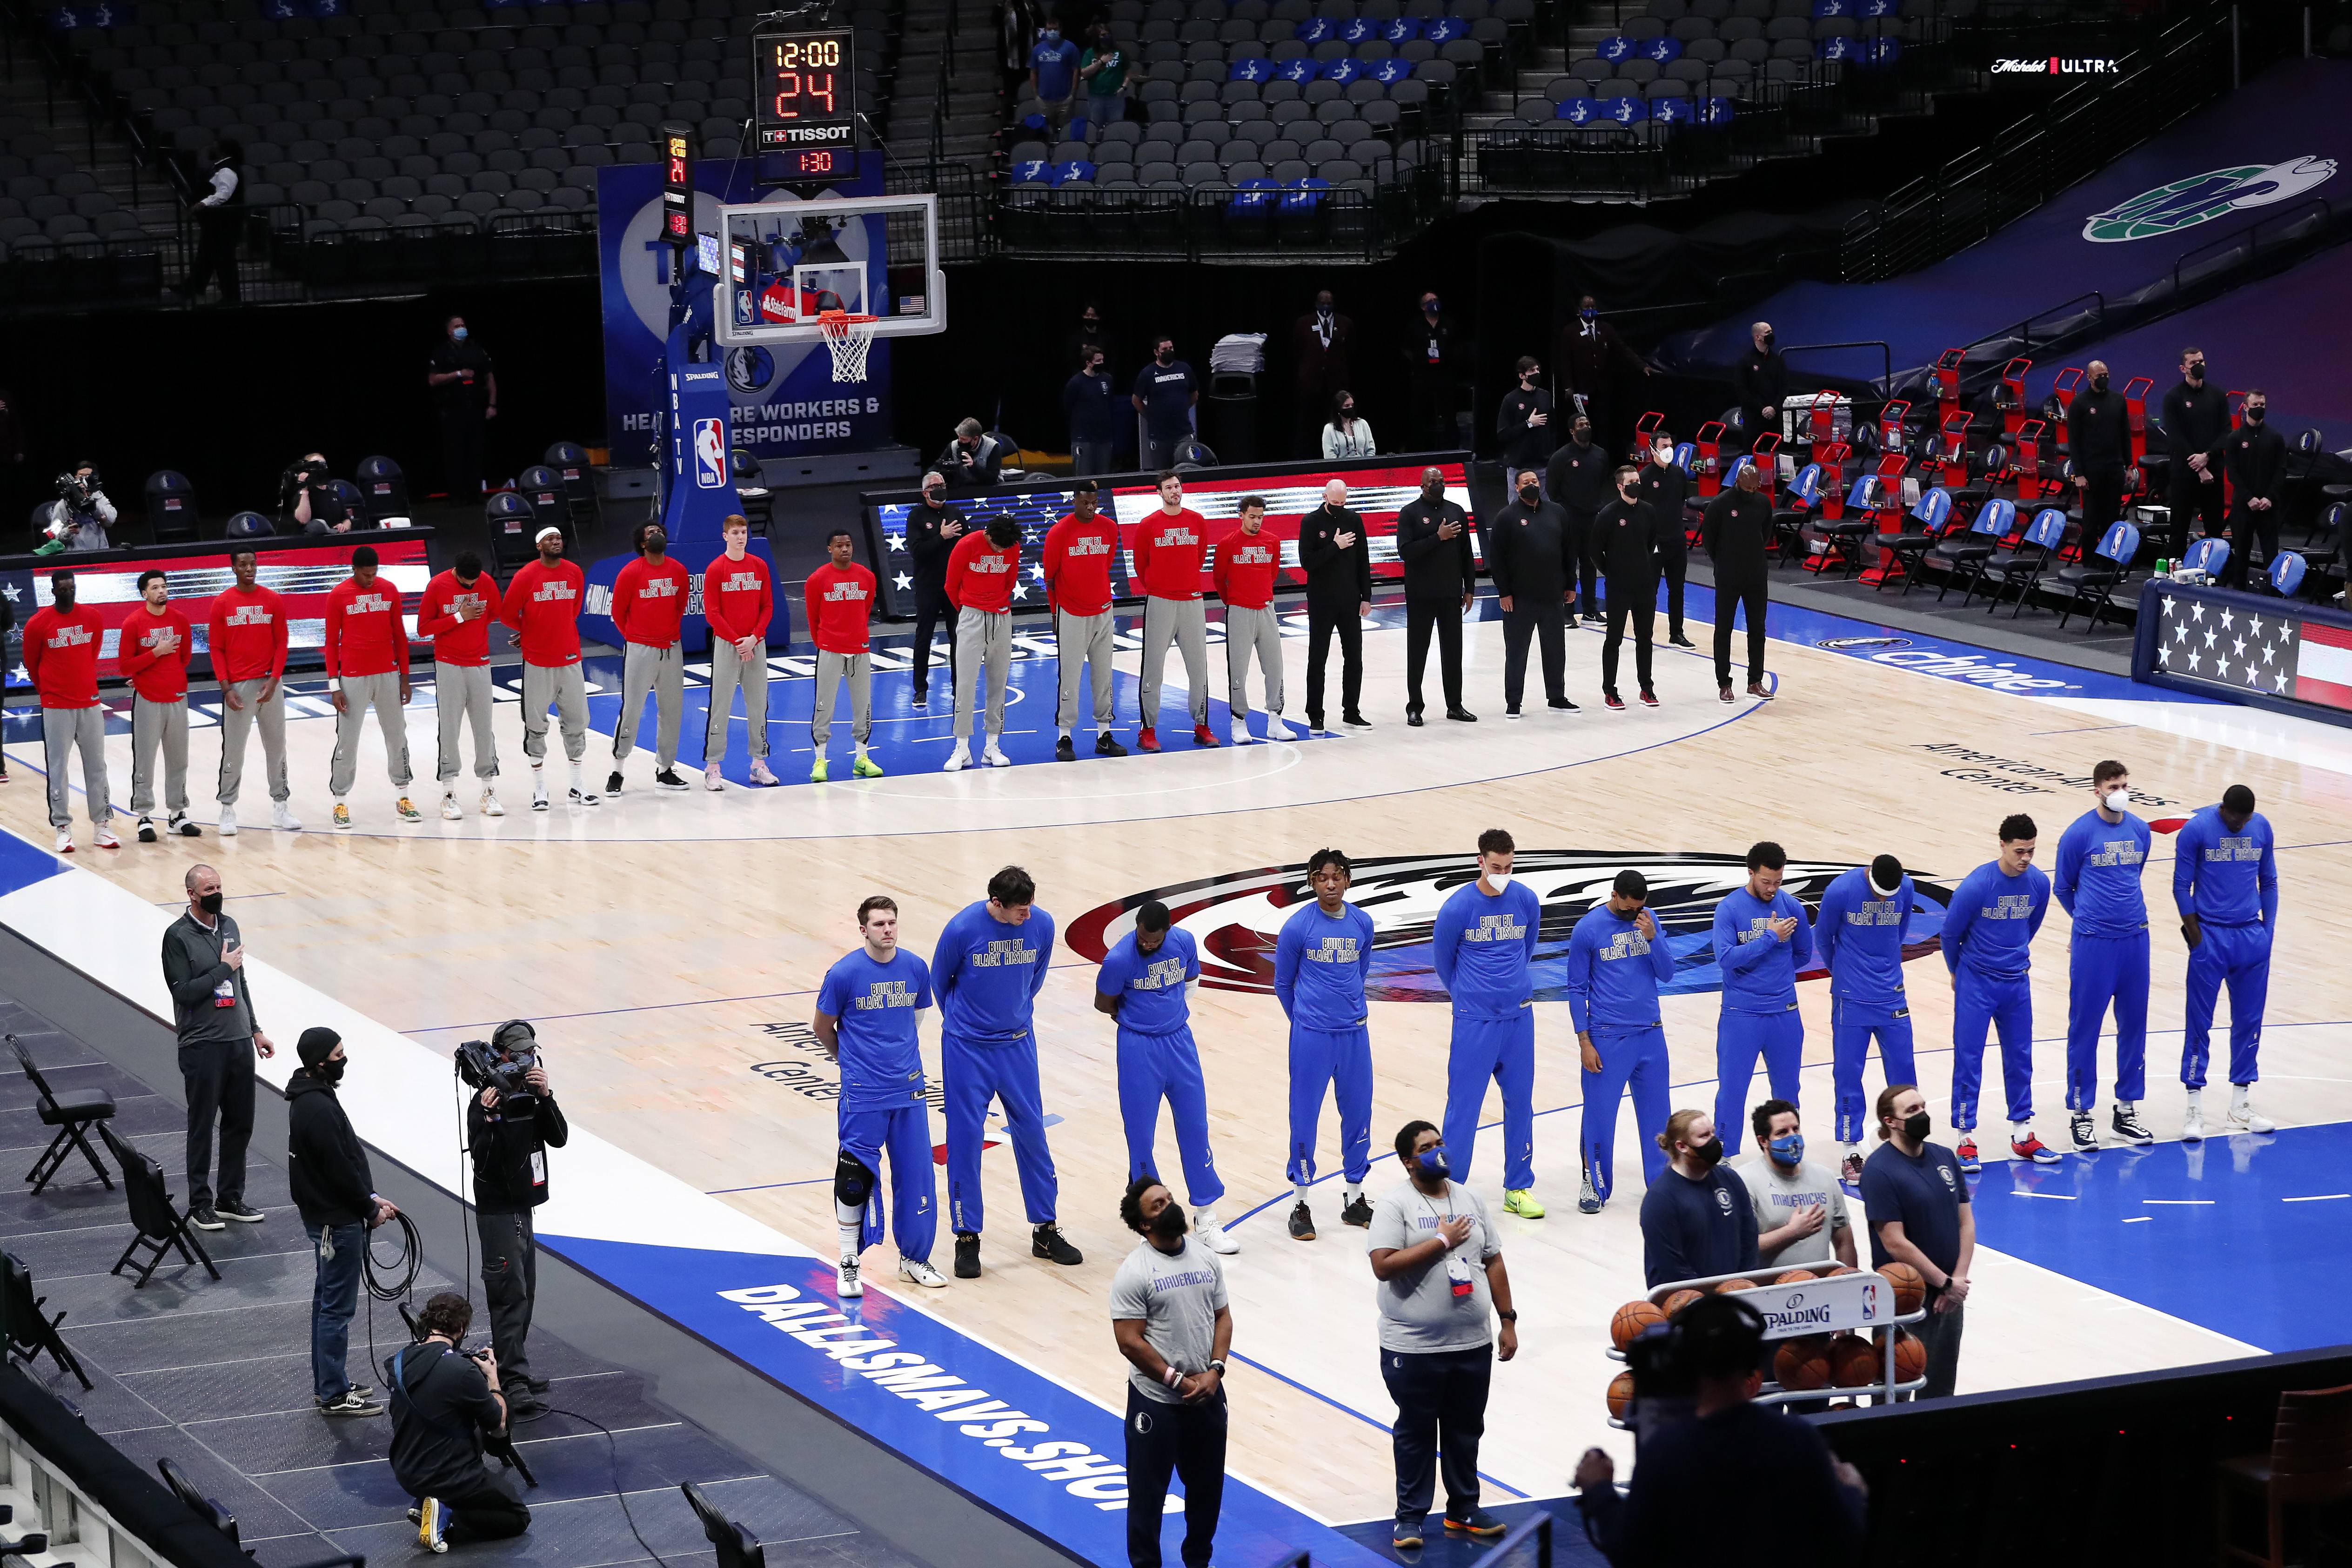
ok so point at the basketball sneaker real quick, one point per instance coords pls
(1587, 1200)
(1613, 702)
(1276, 729)
(612, 783)
(1064, 751)
(281, 818)
(1149, 741)
(1523, 1202)
(432, 1524)
(146, 830)
(65, 841)
(407, 810)
(1850, 1171)
(865, 767)
(711, 778)
(1239, 734)
(537, 790)
(450, 810)
(1966, 1152)
(2086, 1132)
(180, 827)
(2243, 1118)
(1107, 746)
(1202, 736)
(966, 1259)
(1302, 1222)
(1405, 1536)
(1047, 1241)
(1210, 1232)
(2033, 1150)
(228, 822)
(993, 755)
(845, 1281)
(667, 778)
(959, 759)
(1649, 698)
(106, 840)
(2128, 1126)
(1478, 1522)
(2192, 1130)
(919, 1271)
(818, 770)
(343, 814)
(1559, 705)
(761, 774)
(1358, 1213)
(490, 807)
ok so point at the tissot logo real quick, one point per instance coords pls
(2054, 65)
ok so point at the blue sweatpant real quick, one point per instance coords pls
(1342, 1060)
(2240, 955)
(972, 1075)
(1156, 1066)
(1979, 1006)
(905, 1133)
(2100, 969)
(1501, 1050)
(1850, 1028)
(1630, 1058)
(1739, 1039)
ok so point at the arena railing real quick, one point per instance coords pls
(1216, 222)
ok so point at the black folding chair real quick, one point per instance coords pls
(160, 1225)
(30, 1330)
(736, 1546)
(209, 1510)
(73, 1116)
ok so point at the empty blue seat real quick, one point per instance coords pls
(1343, 71)
(1074, 169)
(1315, 30)
(1299, 68)
(1254, 68)
(1398, 30)
(1622, 111)
(1395, 68)
(1577, 110)
(1444, 29)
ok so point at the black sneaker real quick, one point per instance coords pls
(1047, 1241)
(921, 702)
(1413, 717)
(1510, 713)
(667, 778)
(236, 1208)
(1355, 721)
(613, 784)
(1612, 700)
(1063, 752)
(205, 1219)
(1649, 698)
(2086, 1132)
(1107, 746)
(1850, 1171)
(1680, 641)
(183, 827)
(967, 1255)
(2130, 1127)
(1358, 1214)
(146, 830)
(1561, 703)
(1302, 1222)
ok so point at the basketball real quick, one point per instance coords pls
(1841, 1268)
(1802, 1363)
(1621, 1395)
(1728, 1286)
(1796, 1277)
(1910, 1356)
(1854, 1362)
(1631, 1319)
(1910, 1289)
(1681, 1299)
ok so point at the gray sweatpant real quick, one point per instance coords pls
(360, 693)
(236, 724)
(1251, 632)
(983, 639)
(562, 686)
(727, 668)
(461, 693)
(1082, 641)
(662, 671)
(63, 729)
(858, 668)
(155, 723)
(1186, 620)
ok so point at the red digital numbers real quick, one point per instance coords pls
(817, 88)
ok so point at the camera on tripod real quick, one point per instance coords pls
(503, 1062)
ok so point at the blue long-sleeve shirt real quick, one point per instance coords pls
(1320, 965)
(1691, 1229)
(2226, 879)
(986, 975)
(1860, 938)
(2099, 866)
(1760, 970)
(1989, 929)
(1483, 945)
(1614, 973)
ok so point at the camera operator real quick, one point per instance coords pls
(80, 515)
(510, 1125)
(443, 1401)
(327, 1169)
(1705, 1485)
(306, 502)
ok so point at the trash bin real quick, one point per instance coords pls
(1229, 416)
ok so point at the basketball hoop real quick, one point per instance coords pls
(848, 336)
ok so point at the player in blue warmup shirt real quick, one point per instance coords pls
(1860, 929)
(1989, 947)
(1762, 940)
(1616, 961)
(1485, 940)
(2100, 857)
(1321, 960)
(1142, 985)
(867, 1015)
(2226, 885)
(990, 959)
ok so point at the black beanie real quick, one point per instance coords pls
(315, 1044)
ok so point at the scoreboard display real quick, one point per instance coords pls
(805, 96)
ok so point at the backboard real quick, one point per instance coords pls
(784, 261)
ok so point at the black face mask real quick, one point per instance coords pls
(329, 1073)
(1709, 1152)
(2098, 383)
(1531, 495)
(1916, 1127)
(2254, 416)
(1769, 338)
(1628, 916)
(1168, 1224)
(2197, 371)
(210, 903)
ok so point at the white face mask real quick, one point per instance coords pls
(2117, 799)
(1500, 881)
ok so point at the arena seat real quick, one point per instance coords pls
(1971, 549)
(1933, 514)
(2287, 574)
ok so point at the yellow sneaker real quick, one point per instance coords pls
(1522, 1202)
(408, 812)
(816, 774)
(343, 814)
(866, 767)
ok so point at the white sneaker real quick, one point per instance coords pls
(2243, 1117)
(228, 822)
(106, 840)
(919, 1271)
(1276, 729)
(959, 759)
(281, 818)
(449, 809)
(845, 1281)
(65, 841)
(537, 790)
(490, 807)
(710, 779)
(2193, 1130)
(1210, 1232)
(1240, 735)
(993, 757)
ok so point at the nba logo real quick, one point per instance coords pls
(709, 454)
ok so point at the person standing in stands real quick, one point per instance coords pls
(212, 1014)
(1102, 71)
(246, 635)
(220, 222)
(1594, 364)
(1054, 73)
(2100, 857)
(465, 393)
(1628, 528)
(1338, 557)
(1078, 553)
(1577, 480)
(1733, 530)
(1170, 546)
(541, 606)
(1320, 341)
(1090, 403)
(1523, 420)
(1247, 561)
(1617, 959)
(1665, 486)
(2195, 423)
(1698, 1218)
(367, 658)
(648, 609)
(1432, 537)
(156, 641)
(2253, 457)
(1532, 559)
(2098, 441)
(1165, 392)
(2225, 885)
(457, 611)
(1863, 919)
(1430, 348)
(933, 526)
(1762, 378)
(1987, 941)
(739, 600)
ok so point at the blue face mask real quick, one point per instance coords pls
(1790, 1150)
(1431, 1161)
(459, 334)
(1589, 313)
(1051, 37)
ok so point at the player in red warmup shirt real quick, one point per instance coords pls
(1080, 551)
(61, 644)
(367, 658)
(152, 652)
(1247, 562)
(1170, 545)
(247, 636)
(981, 575)
(840, 599)
(648, 603)
(457, 611)
(541, 604)
(739, 600)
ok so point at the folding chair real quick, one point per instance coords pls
(209, 1510)
(2309, 1463)
(1904, 547)
(2023, 567)
(2287, 573)
(1789, 521)
(2209, 555)
(735, 1544)
(1974, 548)
(2090, 584)
(31, 1330)
(160, 1225)
(72, 1116)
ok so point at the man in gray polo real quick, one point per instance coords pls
(204, 964)
(1171, 1317)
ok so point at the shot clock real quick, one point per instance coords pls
(804, 100)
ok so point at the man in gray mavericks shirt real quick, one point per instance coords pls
(1800, 1216)
(1441, 1282)
(204, 964)
(1169, 1316)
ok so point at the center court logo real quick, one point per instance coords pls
(1235, 918)
(2217, 193)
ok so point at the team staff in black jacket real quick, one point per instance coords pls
(510, 1181)
(1629, 559)
(1664, 485)
(932, 529)
(2253, 457)
(1434, 541)
(1523, 424)
(1734, 529)
(1338, 565)
(2196, 418)
(2098, 439)
(326, 1171)
(1531, 553)
(1578, 482)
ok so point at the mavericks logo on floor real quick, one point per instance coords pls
(2217, 193)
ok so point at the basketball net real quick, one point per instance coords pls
(848, 336)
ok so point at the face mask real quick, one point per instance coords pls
(1583, 435)
(1589, 314)
(2254, 416)
(1628, 916)
(1916, 1127)
(329, 1072)
(1168, 1224)
(459, 334)
(2098, 383)
(1349, 413)
(655, 544)
(2197, 371)
(1164, 356)
(1498, 880)
(1789, 1151)
(2117, 799)
(1052, 36)
(210, 903)
(1431, 1161)
(1531, 495)
(1769, 340)
(1630, 494)
(1708, 1152)
(1429, 307)
(1322, 309)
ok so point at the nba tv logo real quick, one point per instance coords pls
(709, 454)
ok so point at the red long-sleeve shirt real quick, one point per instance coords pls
(61, 656)
(364, 634)
(840, 601)
(980, 575)
(1077, 563)
(246, 634)
(1245, 568)
(156, 676)
(649, 601)
(542, 604)
(1167, 552)
(737, 598)
(454, 641)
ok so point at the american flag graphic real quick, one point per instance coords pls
(2279, 654)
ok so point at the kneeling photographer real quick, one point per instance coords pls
(306, 502)
(510, 1124)
(445, 1402)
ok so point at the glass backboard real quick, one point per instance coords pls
(786, 261)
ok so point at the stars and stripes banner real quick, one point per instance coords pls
(2274, 652)
(2323, 665)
